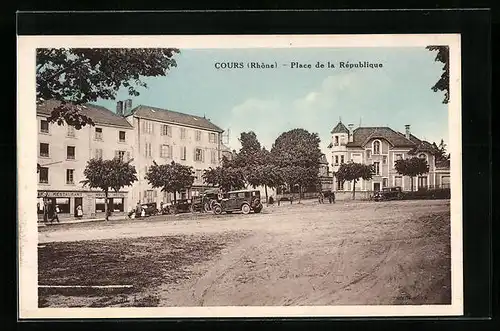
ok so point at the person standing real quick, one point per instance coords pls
(79, 211)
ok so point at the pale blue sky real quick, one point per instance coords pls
(270, 101)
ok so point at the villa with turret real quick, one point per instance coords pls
(381, 147)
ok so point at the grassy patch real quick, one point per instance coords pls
(144, 263)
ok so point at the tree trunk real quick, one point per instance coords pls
(267, 200)
(411, 183)
(175, 197)
(300, 193)
(106, 218)
(353, 189)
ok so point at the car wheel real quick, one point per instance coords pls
(206, 206)
(245, 208)
(217, 210)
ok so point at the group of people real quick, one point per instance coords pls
(51, 211)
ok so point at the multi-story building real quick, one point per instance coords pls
(163, 136)
(382, 146)
(63, 153)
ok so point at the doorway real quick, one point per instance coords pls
(376, 187)
(78, 202)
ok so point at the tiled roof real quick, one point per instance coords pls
(165, 115)
(99, 114)
(340, 128)
(362, 135)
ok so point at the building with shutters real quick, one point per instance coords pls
(163, 136)
(382, 146)
(63, 152)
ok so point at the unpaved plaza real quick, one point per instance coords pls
(348, 253)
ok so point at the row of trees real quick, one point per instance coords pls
(293, 161)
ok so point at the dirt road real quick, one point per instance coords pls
(345, 253)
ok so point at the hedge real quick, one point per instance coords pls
(442, 193)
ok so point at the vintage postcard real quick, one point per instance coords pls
(239, 176)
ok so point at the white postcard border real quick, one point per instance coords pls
(27, 176)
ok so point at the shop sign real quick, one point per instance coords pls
(59, 194)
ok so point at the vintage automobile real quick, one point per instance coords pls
(150, 209)
(388, 193)
(180, 206)
(243, 200)
(210, 197)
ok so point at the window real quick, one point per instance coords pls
(71, 131)
(398, 181)
(43, 175)
(340, 185)
(99, 204)
(376, 166)
(336, 140)
(44, 150)
(44, 126)
(98, 133)
(166, 130)
(336, 159)
(147, 150)
(376, 147)
(199, 174)
(70, 176)
(384, 182)
(117, 205)
(368, 154)
(211, 137)
(198, 154)
(183, 153)
(120, 155)
(198, 135)
(147, 127)
(70, 152)
(165, 151)
(63, 204)
(121, 136)
(341, 159)
(183, 133)
(98, 153)
(213, 157)
(384, 159)
(423, 156)
(398, 156)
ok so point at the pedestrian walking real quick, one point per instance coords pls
(55, 214)
(332, 197)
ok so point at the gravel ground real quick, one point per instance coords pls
(302, 254)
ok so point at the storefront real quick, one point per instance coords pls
(90, 202)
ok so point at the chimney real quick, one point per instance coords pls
(407, 131)
(128, 106)
(351, 128)
(119, 108)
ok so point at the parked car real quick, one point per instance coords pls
(210, 197)
(388, 193)
(150, 209)
(180, 206)
(197, 204)
(243, 200)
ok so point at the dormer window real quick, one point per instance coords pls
(376, 147)
(336, 140)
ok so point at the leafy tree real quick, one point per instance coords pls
(172, 178)
(353, 172)
(227, 176)
(250, 151)
(75, 76)
(108, 175)
(441, 153)
(297, 154)
(443, 84)
(412, 167)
